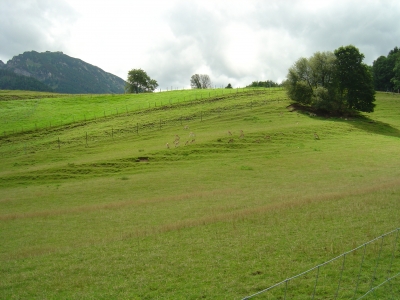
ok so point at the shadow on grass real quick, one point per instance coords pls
(375, 127)
(356, 120)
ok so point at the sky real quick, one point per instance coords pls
(235, 41)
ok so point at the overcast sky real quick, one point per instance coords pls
(235, 41)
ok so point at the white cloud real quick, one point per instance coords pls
(33, 25)
(235, 42)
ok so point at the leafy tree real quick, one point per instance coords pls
(229, 86)
(396, 78)
(333, 82)
(355, 85)
(310, 81)
(383, 70)
(200, 81)
(139, 82)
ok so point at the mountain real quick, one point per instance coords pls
(11, 81)
(64, 74)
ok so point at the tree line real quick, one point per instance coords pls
(139, 82)
(386, 71)
(336, 82)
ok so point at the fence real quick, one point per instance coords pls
(371, 269)
(127, 103)
(85, 134)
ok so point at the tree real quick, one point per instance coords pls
(200, 81)
(355, 84)
(139, 82)
(333, 82)
(383, 70)
(229, 86)
(310, 81)
(396, 78)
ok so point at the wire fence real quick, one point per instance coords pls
(87, 133)
(127, 103)
(370, 271)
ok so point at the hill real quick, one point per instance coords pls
(97, 206)
(12, 81)
(64, 74)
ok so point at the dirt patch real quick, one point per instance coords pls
(142, 159)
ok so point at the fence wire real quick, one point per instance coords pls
(370, 270)
(86, 134)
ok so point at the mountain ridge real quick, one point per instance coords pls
(64, 74)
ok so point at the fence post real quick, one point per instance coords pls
(394, 250)
(377, 263)
(359, 272)
(316, 281)
(340, 278)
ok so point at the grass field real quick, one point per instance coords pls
(97, 206)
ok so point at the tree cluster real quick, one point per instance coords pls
(336, 82)
(268, 83)
(386, 71)
(139, 82)
(200, 81)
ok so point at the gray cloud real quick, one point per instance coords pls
(281, 32)
(234, 42)
(38, 25)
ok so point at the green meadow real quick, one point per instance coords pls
(213, 194)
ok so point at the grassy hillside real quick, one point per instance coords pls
(103, 209)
